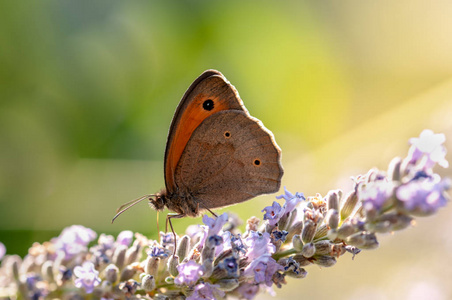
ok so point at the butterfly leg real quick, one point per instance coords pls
(169, 216)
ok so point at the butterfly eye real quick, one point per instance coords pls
(227, 134)
(208, 104)
(256, 162)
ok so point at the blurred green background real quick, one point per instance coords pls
(88, 90)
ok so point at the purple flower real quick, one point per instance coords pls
(280, 235)
(106, 241)
(237, 244)
(226, 243)
(206, 291)
(74, 240)
(125, 238)
(430, 145)
(35, 286)
(291, 201)
(273, 213)
(262, 269)
(215, 225)
(375, 194)
(424, 196)
(248, 290)
(231, 266)
(157, 251)
(189, 273)
(166, 239)
(289, 196)
(86, 277)
(2, 250)
(258, 244)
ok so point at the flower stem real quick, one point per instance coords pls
(285, 253)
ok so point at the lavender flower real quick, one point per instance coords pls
(216, 260)
(262, 269)
(423, 197)
(125, 237)
(73, 240)
(157, 251)
(258, 244)
(189, 273)
(215, 225)
(248, 290)
(87, 277)
(376, 195)
(273, 213)
(430, 147)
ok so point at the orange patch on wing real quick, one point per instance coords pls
(192, 117)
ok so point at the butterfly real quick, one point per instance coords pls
(216, 154)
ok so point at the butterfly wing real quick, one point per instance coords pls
(229, 158)
(193, 109)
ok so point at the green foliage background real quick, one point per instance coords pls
(88, 90)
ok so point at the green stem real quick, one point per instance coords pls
(282, 254)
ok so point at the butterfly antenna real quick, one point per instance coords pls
(128, 205)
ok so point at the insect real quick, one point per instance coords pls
(216, 154)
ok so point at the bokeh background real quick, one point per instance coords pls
(88, 90)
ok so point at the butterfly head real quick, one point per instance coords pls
(158, 200)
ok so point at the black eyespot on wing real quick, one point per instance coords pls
(256, 162)
(227, 134)
(208, 104)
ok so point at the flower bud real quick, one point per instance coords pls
(349, 205)
(127, 273)
(111, 273)
(297, 243)
(325, 260)
(173, 262)
(295, 229)
(292, 218)
(321, 232)
(356, 239)
(332, 200)
(284, 221)
(301, 260)
(119, 256)
(363, 240)
(208, 267)
(183, 247)
(390, 222)
(308, 250)
(332, 218)
(394, 169)
(208, 253)
(308, 231)
(133, 253)
(152, 265)
(323, 247)
(345, 230)
(370, 242)
(148, 283)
